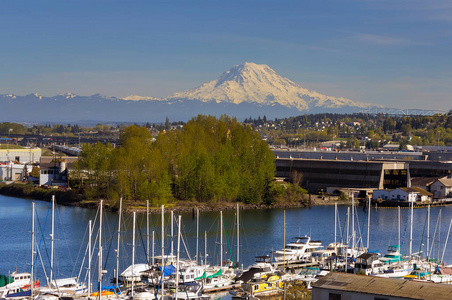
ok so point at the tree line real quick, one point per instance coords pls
(209, 159)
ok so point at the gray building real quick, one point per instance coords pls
(319, 174)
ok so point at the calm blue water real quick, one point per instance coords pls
(261, 231)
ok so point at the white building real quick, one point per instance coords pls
(380, 194)
(55, 171)
(14, 172)
(442, 187)
(403, 194)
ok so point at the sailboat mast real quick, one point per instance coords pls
(153, 245)
(133, 250)
(428, 230)
(447, 239)
(335, 224)
(284, 237)
(398, 211)
(238, 236)
(172, 234)
(205, 248)
(348, 226)
(368, 224)
(353, 224)
(147, 231)
(197, 236)
(32, 248)
(100, 249)
(411, 230)
(90, 236)
(118, 245)
(439, 231)
(53, 238)
(221, 240)
(178, 250)
(163, 247)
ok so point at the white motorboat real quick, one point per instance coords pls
(299, 250)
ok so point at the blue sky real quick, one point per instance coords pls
(397, 53)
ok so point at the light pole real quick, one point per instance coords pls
(9, 134)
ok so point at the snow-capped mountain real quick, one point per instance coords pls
(243, 91)
(260, 84)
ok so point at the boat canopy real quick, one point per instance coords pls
(168, 270)
(4, 280)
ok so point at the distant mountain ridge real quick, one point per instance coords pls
(242, 91)
(255, 83)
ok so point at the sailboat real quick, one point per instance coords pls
(62, 286)
(21, 284)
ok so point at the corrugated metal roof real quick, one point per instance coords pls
(384, 286)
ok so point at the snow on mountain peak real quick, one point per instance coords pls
(138, 98)
(250, 82)
(68, 95)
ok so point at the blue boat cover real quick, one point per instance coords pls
(20, 294)
(168, 270)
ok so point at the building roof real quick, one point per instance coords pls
(407, 289)
(417, 190)
(47, 162)
(446, 181)
(422, 181)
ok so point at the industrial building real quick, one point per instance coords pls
(21, 155)
(321, 174)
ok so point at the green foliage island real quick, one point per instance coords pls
(208, 160)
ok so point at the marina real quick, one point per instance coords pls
(261, 232)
